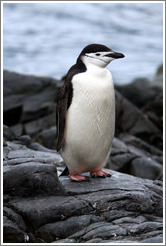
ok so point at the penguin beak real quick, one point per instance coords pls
(115, 55)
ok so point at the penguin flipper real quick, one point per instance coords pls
(61, 122)
(64, 102)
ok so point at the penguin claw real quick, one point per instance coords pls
(100, 174)
(107, 174)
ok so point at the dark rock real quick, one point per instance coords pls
(14, 229)
(12, 233)
(23, 155)
(50, 232)
(132, 141)
(146, 227)
(146, 168)
(24, 139)
(65, 241)
(34, 169)
(34, 179)
(120, 162)
(141, 91)
(104, 231)
(17, 129)
(139, 219)
(154, 111)
(6, 150)
(34, 127)
(14, 217)
(39, 208)
(39, 105)
(8, 134)
(157, 239)
(131, 120)
(139, 111)
(134, 156)
(47, 137)
(105, 210)
(37, 146)
(29, 99)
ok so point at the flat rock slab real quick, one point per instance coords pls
(121, 208)
(39, 207)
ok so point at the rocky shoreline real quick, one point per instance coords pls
(40, 207)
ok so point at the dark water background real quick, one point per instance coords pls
(46, 38)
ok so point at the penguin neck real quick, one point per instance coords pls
(92, 68)
(96, 70)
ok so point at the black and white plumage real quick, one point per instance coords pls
(86, 113)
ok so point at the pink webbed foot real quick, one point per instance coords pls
(99, 174)
(77, 177)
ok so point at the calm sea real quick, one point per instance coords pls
(46, 38)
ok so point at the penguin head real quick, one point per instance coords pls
(99, 55)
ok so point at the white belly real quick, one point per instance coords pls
(90, 121)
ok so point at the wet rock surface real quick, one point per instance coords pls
(141, 91)
(29, 102)
(40, 207)
(132, 155)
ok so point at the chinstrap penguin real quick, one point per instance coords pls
(86, 113)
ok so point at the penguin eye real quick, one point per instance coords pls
(97, 54)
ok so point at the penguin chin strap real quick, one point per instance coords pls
(96, 58)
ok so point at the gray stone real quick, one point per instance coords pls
(131, 120)
(120, 162)
(134, 156)
(17, 129)
(29, 99)
(154, 111)
(12, 233)
(65, 241)
(35, 169)
(15, 218)
(96, 209)
(37, 146)
(50, 232)
(47, 137)
(8, 134)
(24, 139)
(133, 141)
(146, 168)
(141, 91)
(131, 220)
(158, 239)
(104, 231)
(34, 179)
(145, 227)
(34, 127)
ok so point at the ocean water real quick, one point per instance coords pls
(45, 39)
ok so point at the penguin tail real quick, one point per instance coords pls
(65, 172)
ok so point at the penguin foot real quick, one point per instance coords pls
(77, 177)
(99, 174)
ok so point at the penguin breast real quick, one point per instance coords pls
(91, 118)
